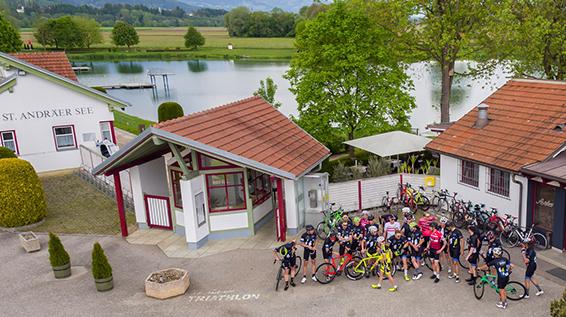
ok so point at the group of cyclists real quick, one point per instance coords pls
(406, 243)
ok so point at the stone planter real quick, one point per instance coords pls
(30, 242)
(62, 271)
(104, 284)
(167, 283)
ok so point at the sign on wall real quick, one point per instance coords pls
(199, 204)
(47, 114)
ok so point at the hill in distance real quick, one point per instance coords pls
(257, 5)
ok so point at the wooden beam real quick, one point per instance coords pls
(179, 158)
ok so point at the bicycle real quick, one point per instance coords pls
(327, 271)
(416, 199)
(442, 202)
(517, 235)
(466, 265)
(279, 277)
(515, 290)
(331, 217)
(360, 267)
(389, 201)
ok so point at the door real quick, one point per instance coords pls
(158, 212)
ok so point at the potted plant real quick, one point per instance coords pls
(59, 258)
(101, 269)
(30, 242)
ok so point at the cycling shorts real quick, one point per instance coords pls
(433, 255)
(309, 254)
(531, 268)
(327, 255)
(343, 247)
(474, 259)
(386, 268)
(455, 254)
(289, 262)
(502, 282)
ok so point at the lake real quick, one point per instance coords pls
(198, 85)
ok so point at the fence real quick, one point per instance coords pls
(90, 158)
(368, 192)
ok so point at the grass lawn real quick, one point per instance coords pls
(163, 43)
(74, 206)
(126, 122)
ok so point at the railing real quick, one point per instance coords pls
(90, 158)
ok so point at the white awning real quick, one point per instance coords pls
(391, 143)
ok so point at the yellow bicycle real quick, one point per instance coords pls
(360, 267)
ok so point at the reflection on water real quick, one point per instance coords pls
(199, 85)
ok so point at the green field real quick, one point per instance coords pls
(130, 123)
(168, 43)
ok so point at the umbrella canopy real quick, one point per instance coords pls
(391, 143)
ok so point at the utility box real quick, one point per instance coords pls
(430, 181)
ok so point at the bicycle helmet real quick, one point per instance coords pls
(332, 234)
(309, 227)
(497, 251)
(433, 225)
(380, 239)
(450, 224)
(406, 210)
(357, 220)
(371, 217)
(444, 220)
(372, 229)
(490, 236)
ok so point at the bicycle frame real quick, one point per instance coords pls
(339, 268)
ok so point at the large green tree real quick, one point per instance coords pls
(60, 33)
(267, 90)
(9, 37)
(89, 30)
(124, 34)
(193, 38)
(347, 79)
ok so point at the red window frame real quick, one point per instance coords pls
(112, 132)
(15, 139)
(176, 175)
(202, 167)
(225, 186)
(467, 168)
(499, 182)
(259, 177)
(72, 126)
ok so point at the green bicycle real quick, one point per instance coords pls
(515, 290)
(331, 217)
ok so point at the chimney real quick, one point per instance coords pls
(483, 118)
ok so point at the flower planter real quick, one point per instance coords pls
(104, 284)
(30, 242)
(62, 271)
(167, 283)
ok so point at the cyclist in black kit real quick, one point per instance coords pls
(398, 245)
(286, 254)
(503, 268)
(417, 246)
(493, 242)
(357, 234)
(344, 240)
(530, 260)
(328, 247)
(308, 242)
(455, 249)
(474, 247)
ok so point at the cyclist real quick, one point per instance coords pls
(390, 227)
(474, 247)
(416, 246)
(407, 219)
(308, 242)
(503, 268)
(286, 254)
(424, 224)
(435, 246)
(344, 241)
(364, 221)
(444, 255)
(369, 244)
(386, 265)
(328, 247)
(398, 244)
(357, 234)
(530, 259)
(371, 223)
(455, 249)
(492, 243)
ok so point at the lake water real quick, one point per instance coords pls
(198, 85)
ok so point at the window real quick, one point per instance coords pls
(498, 182)
(469, 173)
(209, 163)
(259, 186)
(65, 137)
(8, 140)
(107, 131)
(176, 185)
(226, 191)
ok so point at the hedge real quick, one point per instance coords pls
(22, 201)
(100, 267)
(6, 153)
(169, 110)
(58, 256)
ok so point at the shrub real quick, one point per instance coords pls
(22, 201)
(100, 267)
(6, 153)
(57, 254)
(378, 167)
(341, 173)
(558, 307)
(169, 110)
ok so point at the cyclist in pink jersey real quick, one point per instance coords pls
(435, 246)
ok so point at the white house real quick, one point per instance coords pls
(494, 154)
(46, 114)
(222, 173)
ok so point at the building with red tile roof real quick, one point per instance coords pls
(486, 156)
(55, 62)
(236, 166)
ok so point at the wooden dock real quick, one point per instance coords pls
(130, 86)
(81, 69)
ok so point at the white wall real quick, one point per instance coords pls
(190, 189)
(151, 179)
(35, 136)
(291, 210)
(449, 180)
(228, 221)
(260, 211)
(137, 194)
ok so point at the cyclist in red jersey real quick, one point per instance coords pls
(435, 246)
(424, 224)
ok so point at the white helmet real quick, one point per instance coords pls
(497, 251)
(406, 210)
(372, 229)
(380, 239)
(444, 220)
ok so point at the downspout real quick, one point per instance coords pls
(520, 197)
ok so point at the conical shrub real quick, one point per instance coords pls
(100, 267)
(57, 254)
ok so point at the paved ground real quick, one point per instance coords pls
(234, 283)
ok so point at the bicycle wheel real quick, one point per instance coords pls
(513, 239)
(355, 269)
(458, 219)
(441, 205)
(515, 290)
(463, 263)
(322, 230)
(325, 273)
(427, 263)
(505, 254)
(424, 203)
(479, 288)
(279, 277)
(298, 264)
(385, 202)
(540, 241)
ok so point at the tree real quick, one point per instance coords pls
(42, 33)
(237, 21)
(558, 306)
(124, 34)
(346, 78)
(65, 33)
(193, 38)
(168, 111)
(7, 153)
(267, 90)
(101, 269)
(58, 256)
(9, 37)
(89, 30)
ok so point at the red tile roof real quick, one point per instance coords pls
(56, 62)
(253, 129)
(523, 116)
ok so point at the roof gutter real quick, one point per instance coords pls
(520, 197)
(310, 168)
